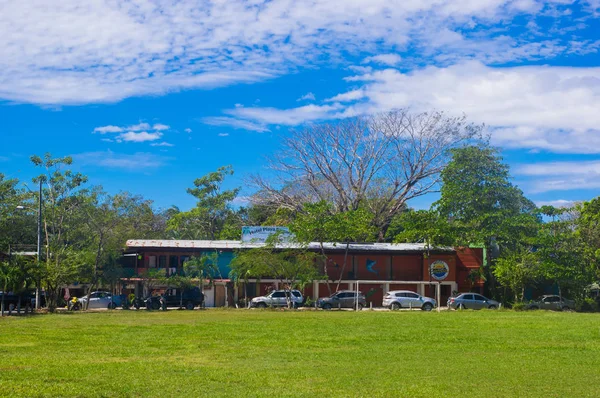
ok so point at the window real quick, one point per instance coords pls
(296, 293)
(162, 261)
(152, 261)
(467, 297)
(552, 299)
(400, 294)
(278, 295)
(412, 295)
(479, 298)
(173, 261)
(184, 259)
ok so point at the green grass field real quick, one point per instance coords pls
(240, 353)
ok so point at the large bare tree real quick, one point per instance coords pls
(378, 162)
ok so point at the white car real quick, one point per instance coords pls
(277, 298)
(101, 300)
(397, 299)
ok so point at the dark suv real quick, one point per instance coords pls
(342, 299)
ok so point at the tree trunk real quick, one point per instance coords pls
(343, 266)
(325, 267)
(19, 305)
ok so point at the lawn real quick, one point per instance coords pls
(239, 353)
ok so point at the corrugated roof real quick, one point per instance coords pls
(234, 244)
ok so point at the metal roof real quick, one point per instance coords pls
(234, 244)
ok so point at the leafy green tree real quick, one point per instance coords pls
(62, 201)
(17, 225)
(9, 274)
(293, 268)
(213, 207)
(482, 206)
(516, 269)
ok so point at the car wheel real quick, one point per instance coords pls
(492, 307)
(360, 307)
(395, 306)
(261, 305)
(112, 306)
(155, 305)
(427, 307)
(327, 307)
(189, 306)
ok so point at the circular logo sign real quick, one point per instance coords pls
(439, 270)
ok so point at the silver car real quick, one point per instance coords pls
(101, 300)
(343, 299)
(472, 301)
(552, 302)
(397, 299)
(277, 298)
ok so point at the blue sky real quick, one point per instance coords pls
(148, 95)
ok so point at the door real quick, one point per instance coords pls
(413, 300)
(467, 301)
(346, 300)
(551, 303)
(479, 302)
(278, 299)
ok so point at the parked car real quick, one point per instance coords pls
(100, 300)
(277, 298)
(551, 302)
(191, 298)
(342, 299)
(397, 299)
(472, 301)
(11, 300)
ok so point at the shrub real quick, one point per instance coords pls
(519, 306)
(587, 305)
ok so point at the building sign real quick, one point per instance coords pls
(260, 234)
(439, 270)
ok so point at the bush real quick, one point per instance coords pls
(587, 305)
(519, 306)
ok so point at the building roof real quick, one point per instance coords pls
(133, 244)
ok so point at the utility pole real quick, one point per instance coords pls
(39, 248)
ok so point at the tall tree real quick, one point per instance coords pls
(481, 205)
(61, 203)
(380, 162)
(213, 207)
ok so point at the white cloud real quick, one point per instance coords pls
(108, 129)
(143, 136)
(349, 96)
(537, 107)
(385, 59)
(307, 97)
(235, 123)
(160, 127)
(223, 134)
(139, 127)
(188, 130)
(162, 144)
(140, 132)
(134, 162)
(73, 52)
(288, 117)
(561, 176)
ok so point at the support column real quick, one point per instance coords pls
(315, 290)
(386, 287)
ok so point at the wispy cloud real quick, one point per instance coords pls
(140, 132)
(307, 97)
(385, 59)
(69, 52)
(235, 123)
(561, 176)
(188, 130)
(143, 136)
(165, 144)
(133, 162)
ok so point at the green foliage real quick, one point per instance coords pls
(212, 215)
(480, 202)
(519, 306)
(516, 269)
(587, 304)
